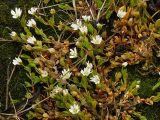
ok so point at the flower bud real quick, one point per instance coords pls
(53, 11)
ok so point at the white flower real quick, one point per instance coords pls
(51, 50)
(99, 26)
(137, 86)
(31, 40)
(83, 29)
(44, 73)
(97, 39)
(121, 13)
(95, 79)
(17, 61)
(73, 53)
(86, 71)
(86, 18)
(76, 25)
(13, 34)
(56, 90)
(74, 109)
(89, 65)
(66, 74)
(17, 13)
(124, 64)
(65, 92)
(31, 23)
(32, 11)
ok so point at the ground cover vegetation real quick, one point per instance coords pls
(82, 59)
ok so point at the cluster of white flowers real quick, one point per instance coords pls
(66, 74)
(87, 70)
(73, 53)
(74, 109)
(95, 79)
(17, 13)
(31, 23)
(31, 40)
(17, 61)
(32, 11)
(77, 25)
(97, 39)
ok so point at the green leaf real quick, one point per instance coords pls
(40, 32)
(41, 20)
(23, 21)
(134, 3)
(156, 98)
(157, 23)
(32, 64)
(46, 1)
(98, 3)
(133, 85)
(62, 61)
(65, 7)
(51, 21)
(124, 75)
(27, 31)
(156, 86)
(91, 29)
(27, 68)
(36, 79)
(23, 36)
(108, 14)
(39, 110)
(140, 116)
(24, 56)
(82, 53)
(27, 84)
(84, 83)
(86, 43)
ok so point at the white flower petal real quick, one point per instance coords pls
(124, 64)
(32, 11)
(121, 13)
(65, 92)
(17, 61)
(17, 13)
(73, 53)
(13, 34)
(77, 24)
(83, 29)
(89, 65)
(86, 71)
(74, 109)
(97, 39)
(31, 23)
(95, 79)
(86, 18)
(65, 74)
(31, 40)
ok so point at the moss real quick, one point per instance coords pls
(151, 112)
(7, 23)
(9, 50)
